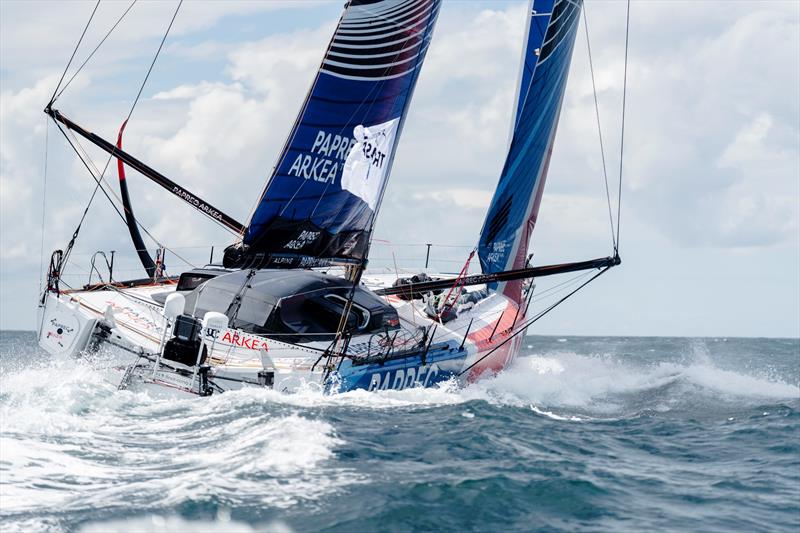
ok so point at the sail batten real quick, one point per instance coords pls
(320, 203)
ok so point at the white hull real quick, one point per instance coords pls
(131, 320)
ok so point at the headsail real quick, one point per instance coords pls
(321, 201)
(512, 213)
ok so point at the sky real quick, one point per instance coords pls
(710, 226)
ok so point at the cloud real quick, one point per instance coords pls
(712, 127)
(464, 198)
(24, 40)
(711, 157)
(22, 128)
(226, 133)
(232, 131)
(189, 92)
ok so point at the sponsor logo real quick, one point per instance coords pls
(305, 238)
(365, 168)
(134, 316)
(350, 243)
(498, 250)
(373, 154)
(195, 201)
(403, 378)
(324, 161)
(237, 339)
(60, 328)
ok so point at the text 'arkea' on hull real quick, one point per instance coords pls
(293, 305)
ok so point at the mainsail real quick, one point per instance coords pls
(322, 198)
(512, 213)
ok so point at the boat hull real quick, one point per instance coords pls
(481, 342)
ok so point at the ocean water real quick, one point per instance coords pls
(596, 434)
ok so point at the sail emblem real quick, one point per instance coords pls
(366, 164)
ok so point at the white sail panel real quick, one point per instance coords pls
(367, 165)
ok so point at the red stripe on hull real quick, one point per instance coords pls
(494, 338)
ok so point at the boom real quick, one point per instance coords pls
(417, 289)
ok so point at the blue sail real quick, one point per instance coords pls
(322, 198)
(512, 213)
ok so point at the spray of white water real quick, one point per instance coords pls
(65, 428)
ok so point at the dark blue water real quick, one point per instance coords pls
(598, 434)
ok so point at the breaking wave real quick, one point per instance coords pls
(71, 444)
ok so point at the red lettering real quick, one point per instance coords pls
(251, 343)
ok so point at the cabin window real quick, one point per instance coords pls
(317, 316)
(189, 281)
(359, 314)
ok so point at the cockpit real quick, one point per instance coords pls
(291, 305)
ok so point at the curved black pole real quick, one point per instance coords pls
(187, 196)
(136, 236)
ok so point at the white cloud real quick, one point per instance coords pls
(466, 198)
(22, 127)
(712, 154)
(188, 92)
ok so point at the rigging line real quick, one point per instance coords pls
(152, 64)
(524, 326)
(44, 201)
(108, 185)
(290, 138)
(111, 156)
(96, 48)
(93, 165)
(555, 289)
(622, 134)
(78, 228)
(99, 181)
(91, 199)
(135, 102)
(116, 195)
(599, 130)
(53, 97)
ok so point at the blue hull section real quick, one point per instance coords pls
(442, 363)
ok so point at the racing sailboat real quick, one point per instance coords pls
(293, 301)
